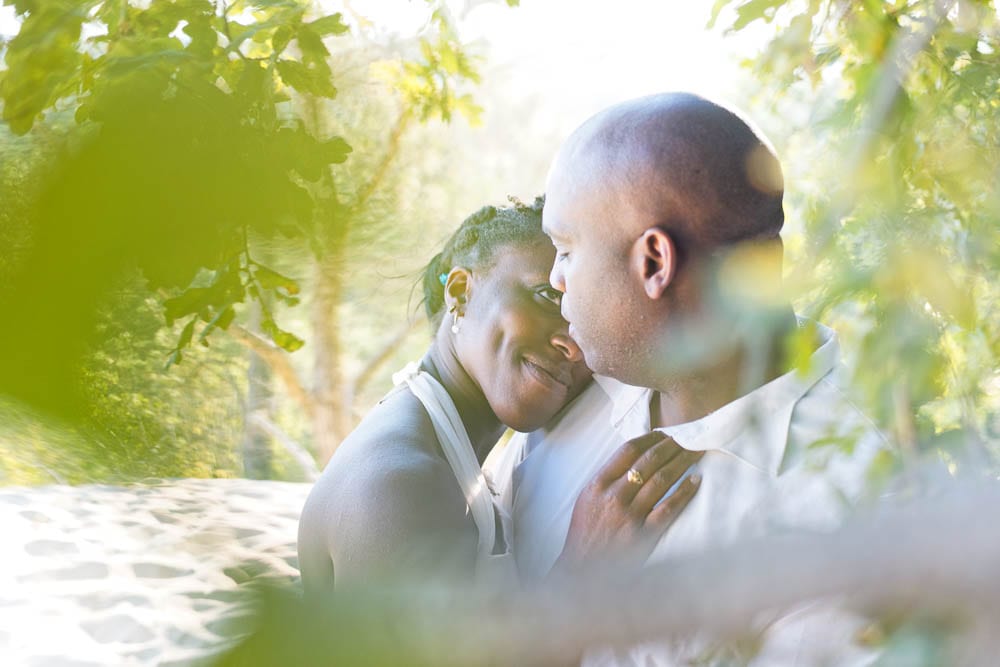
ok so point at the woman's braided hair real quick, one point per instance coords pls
(475, 243)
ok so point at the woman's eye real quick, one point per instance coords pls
(560, 256)
(550, 294)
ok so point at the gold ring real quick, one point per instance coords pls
(634, 476)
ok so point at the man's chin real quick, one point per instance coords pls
(616, 368)
(597, 363)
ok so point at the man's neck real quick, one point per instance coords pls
(701, 392)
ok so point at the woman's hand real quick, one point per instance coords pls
(619, 514)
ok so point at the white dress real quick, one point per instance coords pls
(491, 568)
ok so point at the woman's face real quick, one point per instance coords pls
(514, 343)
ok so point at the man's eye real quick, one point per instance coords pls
(550, 294)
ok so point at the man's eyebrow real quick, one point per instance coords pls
(548, 231)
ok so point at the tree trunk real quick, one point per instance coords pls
(330, 416)
(256, 445)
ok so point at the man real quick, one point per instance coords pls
(665, 213)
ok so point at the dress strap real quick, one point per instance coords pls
(459, 453)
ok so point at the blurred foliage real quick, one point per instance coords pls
(283, 629)
(141, 421)
(390, 92)
(181, 147)
(174, 144)
(890, 115)
(155, 423)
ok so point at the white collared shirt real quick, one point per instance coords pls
(794, 453)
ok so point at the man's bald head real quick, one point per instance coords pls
(643, 202)
(687, 164)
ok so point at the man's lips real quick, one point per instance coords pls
(550, 375)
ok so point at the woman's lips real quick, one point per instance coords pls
(549, 377)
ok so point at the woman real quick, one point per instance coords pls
(404, 495)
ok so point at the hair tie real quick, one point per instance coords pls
(443, 278)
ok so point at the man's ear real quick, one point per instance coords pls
(654, 256)
(457, 287)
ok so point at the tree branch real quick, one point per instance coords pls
(392, 150)
(278, 361)
(298, 452)
(938, 555)
(383, 355)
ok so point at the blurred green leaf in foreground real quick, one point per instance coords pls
(168, 147)
(890, 125)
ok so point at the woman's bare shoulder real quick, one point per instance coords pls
(386, 491)
(395, 438)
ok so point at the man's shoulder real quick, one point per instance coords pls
(831, 437)
(831, 412)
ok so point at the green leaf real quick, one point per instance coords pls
(301, 204)
(845, 443)
(448, 56)
(311, 44)
(225, 318)
(281, 37)
(283, 339)
(753, 10)
(329, 25)
(239, 33)
(883, 468)
(303, 152)
(271, 279)
(800, 344)
(163, 60)
(428, 51)
(227, 286)
(287, 341)
(42, 61)
(186, 334)
(336, 150)
(270, 4)
(191, 300)
(716, 8)
(255, 80)
(22, 6)
(306, 80)
(472, 112)
(175, 357)
(222, 320)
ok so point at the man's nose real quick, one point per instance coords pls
(567, 346)
(556, 278)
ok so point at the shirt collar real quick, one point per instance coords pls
(764, 440)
